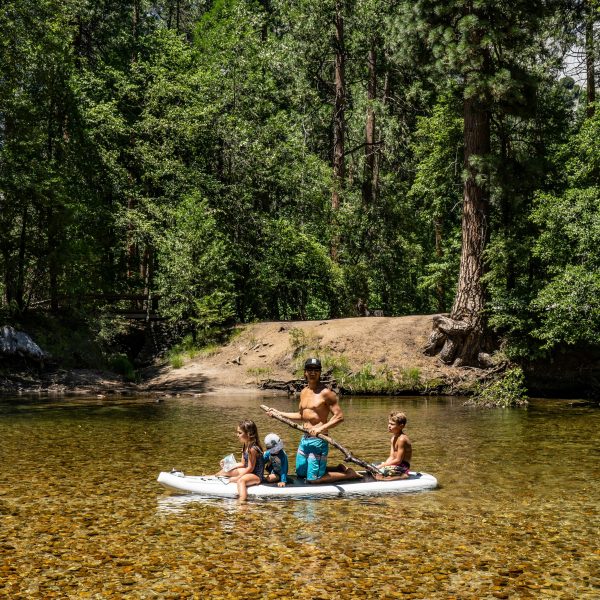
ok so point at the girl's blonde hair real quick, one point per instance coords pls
(250, 429)
(398, 417)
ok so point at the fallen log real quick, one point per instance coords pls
(293, 385)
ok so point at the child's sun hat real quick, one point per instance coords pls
(273, 442)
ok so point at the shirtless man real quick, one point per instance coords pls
(317, 402)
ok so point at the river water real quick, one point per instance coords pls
(81, 514)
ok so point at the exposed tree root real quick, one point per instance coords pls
(459, 342)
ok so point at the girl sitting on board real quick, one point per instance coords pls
(251, 470)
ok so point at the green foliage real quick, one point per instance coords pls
(108, 328)
(367, 380)
(411, 377)
(506, 391)
(188, 349)
(568, 309)
(438, 147)
(304, 345)
(437, 190)
(195, 282)
(295, 271)
(298, 338)
(566, 305)
(119, 363)
(176, 360)
(259, 373)
(380, 380)
(71, 339)
(186, 159)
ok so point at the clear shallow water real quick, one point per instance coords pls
(81, 515)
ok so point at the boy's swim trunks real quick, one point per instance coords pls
(395, 470)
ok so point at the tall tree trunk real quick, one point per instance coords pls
(439, 252)
(135, 22)
(506, 212)
(338, 117)
(9, 282)
(590, 63)
(367, 188)
(132, 247)
(20, 287)
(147, 274)
(264, 32)
(53, 267)
(461, 336)
(377, 153)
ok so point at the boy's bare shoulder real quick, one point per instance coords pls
(401, 440)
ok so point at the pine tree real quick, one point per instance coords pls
(478, 47)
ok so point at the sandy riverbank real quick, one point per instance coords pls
(263, 351)
(266, 351)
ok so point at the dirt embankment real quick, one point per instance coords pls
(269, 350)
(266, 351)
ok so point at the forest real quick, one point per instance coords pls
(229, 161)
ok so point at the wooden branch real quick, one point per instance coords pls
(348, 456)
(293, 385)
(377, 143)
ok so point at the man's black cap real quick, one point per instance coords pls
(312, 363)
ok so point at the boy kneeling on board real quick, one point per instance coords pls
(397, 464)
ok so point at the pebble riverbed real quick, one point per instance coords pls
(81, 514)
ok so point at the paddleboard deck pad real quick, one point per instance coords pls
(208, 485)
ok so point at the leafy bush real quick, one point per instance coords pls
(506, 391)
(176, 359)
(189, 349)
(411, 377)
(304, 345)
(259, 373)
(297, 338)
(119, 363)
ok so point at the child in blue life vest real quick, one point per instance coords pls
(276, 460)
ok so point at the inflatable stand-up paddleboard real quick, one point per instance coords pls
(210, 485)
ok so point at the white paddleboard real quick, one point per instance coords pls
(209, 485)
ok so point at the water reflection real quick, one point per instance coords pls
(81, 514)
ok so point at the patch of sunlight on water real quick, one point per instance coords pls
(81, 514)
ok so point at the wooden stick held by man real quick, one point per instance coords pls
(348, 456)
